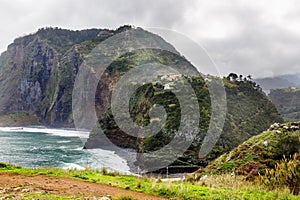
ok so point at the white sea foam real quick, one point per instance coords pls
(52, 131)
(63, 141)
(73, 166)
(110, 160)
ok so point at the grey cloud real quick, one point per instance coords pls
(261, 48)
(260, 43)
(22, 17)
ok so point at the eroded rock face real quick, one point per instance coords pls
(35, 70)
(37, 74)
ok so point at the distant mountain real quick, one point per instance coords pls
(277, 82)
(283, 92)
(287, 101)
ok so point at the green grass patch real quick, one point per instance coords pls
(148, 185)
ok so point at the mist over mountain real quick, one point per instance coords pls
(277, 82)
(284, 93)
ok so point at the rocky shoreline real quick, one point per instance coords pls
(17, 119)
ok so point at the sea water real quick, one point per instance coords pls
(42, 147)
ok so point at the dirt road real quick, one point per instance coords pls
(20, 184)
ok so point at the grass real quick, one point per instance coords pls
(211, 189)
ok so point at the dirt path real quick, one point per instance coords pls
(14, 184)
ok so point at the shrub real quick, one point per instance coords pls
(77, 176)
(139, 183)
(104, 170)
(3, 165)
(285, 173)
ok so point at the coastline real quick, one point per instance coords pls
(128, 155)
(122, 159)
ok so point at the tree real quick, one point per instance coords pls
(232, 77)
(241, 77)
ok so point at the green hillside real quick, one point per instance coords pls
(260, 152)
(248, 113)
(270, 159)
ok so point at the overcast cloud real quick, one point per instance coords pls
(261, 38)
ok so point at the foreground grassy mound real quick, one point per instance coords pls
(270, 159)
(260, 152)
(152, 186)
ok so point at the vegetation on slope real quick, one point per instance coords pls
(272, 158)
(249, 113)
(260, 152)
(61, 39)
(286, 173)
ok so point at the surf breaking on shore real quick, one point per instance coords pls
(97, 158)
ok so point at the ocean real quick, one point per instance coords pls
(58, 148)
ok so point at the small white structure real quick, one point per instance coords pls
(170, 77)
(169, 86)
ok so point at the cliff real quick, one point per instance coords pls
(37, 72)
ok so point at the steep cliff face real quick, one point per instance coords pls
(37, 63)
(37, 73)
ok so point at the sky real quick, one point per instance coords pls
(260, 38)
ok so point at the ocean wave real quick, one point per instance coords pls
(56, 132)
(72, 166)
(34, 151)
(63, 141)
(110, 160)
